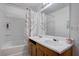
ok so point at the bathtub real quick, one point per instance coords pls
(20, 50)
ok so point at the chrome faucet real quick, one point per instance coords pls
(54, 39)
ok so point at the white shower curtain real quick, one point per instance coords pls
(35, 23)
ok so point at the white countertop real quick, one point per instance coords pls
(58, 46)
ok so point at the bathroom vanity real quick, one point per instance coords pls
(46, 47)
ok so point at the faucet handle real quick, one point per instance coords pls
(69, 41)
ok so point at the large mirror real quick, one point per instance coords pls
(58, 21)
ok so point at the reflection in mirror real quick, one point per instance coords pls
(58, 21)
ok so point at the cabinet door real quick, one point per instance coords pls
(43, 51)
(30, 47)
(49, 52)
(33, 49)
(67, 53)
(40, 50)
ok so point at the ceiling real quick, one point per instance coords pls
(55, 7)
(33, 6)
(39, 6)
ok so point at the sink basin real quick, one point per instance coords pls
(53, 43)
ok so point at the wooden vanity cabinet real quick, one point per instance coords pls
(43, 51)
(40, 50)
(36, 49)
(68, 52)
(32, 48)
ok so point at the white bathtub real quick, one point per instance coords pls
(20, 50)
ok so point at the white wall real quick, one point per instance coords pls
(60, 18)
(75, 26)
(50, 25)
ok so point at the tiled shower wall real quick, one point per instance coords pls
(12, 39)
(15, 17)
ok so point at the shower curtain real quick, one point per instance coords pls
(35, 23)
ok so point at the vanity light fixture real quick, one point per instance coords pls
(48, 5)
